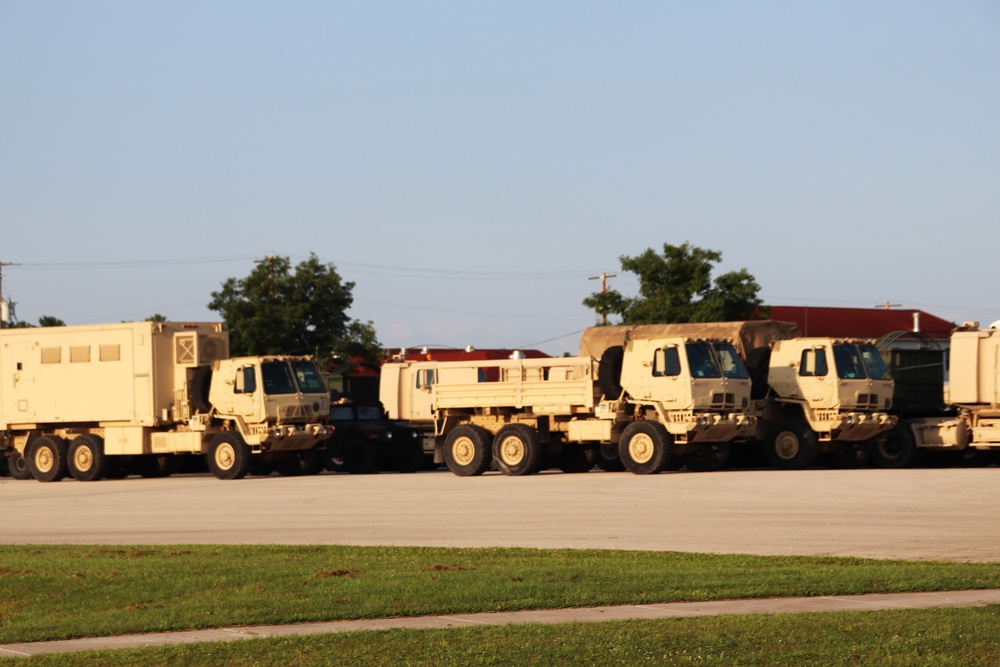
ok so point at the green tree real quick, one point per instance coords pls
(280, 310)
(50, 321)
(677, 286)
(156, 317)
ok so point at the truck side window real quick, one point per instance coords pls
(666, 362)
(425, 378)
(246, 380)
(813, 363)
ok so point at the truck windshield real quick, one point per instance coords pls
(874, 362)
(732, 365)
(308, 378)
(849, 364)
(277, 378)
(701, 361)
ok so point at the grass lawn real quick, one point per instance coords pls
(901, 637)
(57, 592)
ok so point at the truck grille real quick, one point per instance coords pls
(723, 399)
(867, 399)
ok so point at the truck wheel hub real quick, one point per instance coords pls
(640, 448)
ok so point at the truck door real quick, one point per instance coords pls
(659, 374)
(19, 384)
(815, 382)
(246, 397)
(423, 379)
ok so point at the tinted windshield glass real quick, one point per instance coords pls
(849, 364)
(308, 377)
(341, 412)
(732, 365)
(369, 412)
(277, 378)
(874, 362)
(701, 362)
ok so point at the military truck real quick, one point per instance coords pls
(657, 403)
(809, 396)
(968, 423)
(105, 400)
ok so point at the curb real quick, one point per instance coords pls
(797, 605)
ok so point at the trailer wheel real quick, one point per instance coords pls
(793, 445)
(47, 458)
(86, 458)
(228, 456)
(517, 450)
(607, 457)
(199, 388)
(645, 447)
(468, 450)
(609, 372)
(706, 457)
(17, 466)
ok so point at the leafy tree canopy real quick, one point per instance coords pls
(677, 286)
(280, 310)
(43, 321)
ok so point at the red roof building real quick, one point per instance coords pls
(861, 322)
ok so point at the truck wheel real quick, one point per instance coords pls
(645, 447)
(228, 456)
(468, 450)
(707, 457)
(609, 372)
(360, 457)
(517, 450)
(896, 449)
(17, 465)
(409, 457)
(47, 459)
(607, 457)
(86, 458)
(793, 445)
(199, 388)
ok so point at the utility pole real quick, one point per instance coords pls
(604, 288)
(5, 307)
(888, 305)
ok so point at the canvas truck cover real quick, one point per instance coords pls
(746, 335)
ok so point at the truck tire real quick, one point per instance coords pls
(86, 458)
(229, 456)
(609, 372)
(607, 457)
(518, 450)
(707, 457)
(468, 450)
(792, 445)
(896, 449)
(17, 466)
(645, 447)
(360, 457)
(47, 458)
(199, 387)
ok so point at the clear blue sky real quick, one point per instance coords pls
(470, 164)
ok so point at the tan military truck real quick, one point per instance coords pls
(660, 403)
(810, 395)
(95, 401)
(971, 426)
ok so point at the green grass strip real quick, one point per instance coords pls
(942, 637)
(58, 592)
